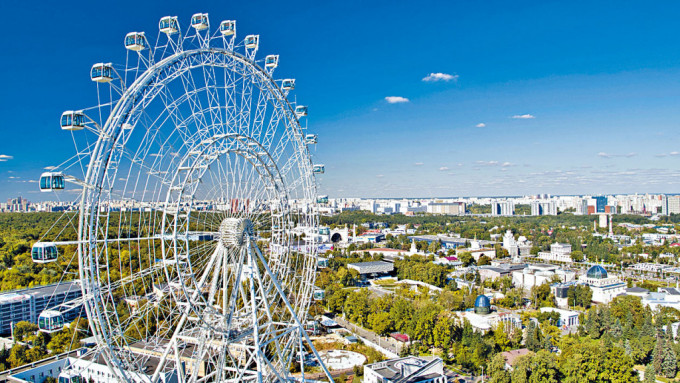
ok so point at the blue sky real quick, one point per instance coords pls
(597, 85)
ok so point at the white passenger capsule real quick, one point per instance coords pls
(72, 120)
(288, 84)
(101, 72)
(200, 21)
(319, 168)
(252, 41)
(169, 25)
(271, 61)
(50, 321)
(44, 252)
(50, 181)
(311, 139)
(301, 111)
(136, 41)
(228, 27)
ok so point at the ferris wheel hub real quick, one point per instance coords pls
(234, 231)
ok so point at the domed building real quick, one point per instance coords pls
(597, 272)
(482, 305)
(604, 286)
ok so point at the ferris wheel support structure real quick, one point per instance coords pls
(198, 152)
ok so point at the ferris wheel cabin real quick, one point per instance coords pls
(72, 120)
(271, 61)
(311, 139)
(44, 252)
(288, 84)
(252, 41)
(50, 181)
(50, 321)
(319, 168)
(323, 199)
(200, 21)
(301, 111)
(135, 41)
(69, 376)
(168, 25)
(319, 295)
(101, 72)
(228, 27)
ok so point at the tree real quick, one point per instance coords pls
(483, 260)
(466, 258)
(17, 355)
(650, 376)
(23, 328)
(533, 338)
(544, 368)
(335, 302)
(381, 323)
(356, 306)
(501, 338)
(443, 331)
(497, 370)
(669, 363)
(521, 370)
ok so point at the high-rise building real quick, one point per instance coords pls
(502, 208)
(600, 203)
(673, 204)
(543, 207)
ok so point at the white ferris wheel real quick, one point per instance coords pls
(195, 237)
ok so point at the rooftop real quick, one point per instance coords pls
(512, 355)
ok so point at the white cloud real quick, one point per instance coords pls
(396, 99)
(506, 164)
(444, 168)
(610, 155)
(480, 125)
(674, 153)
(418, 164)
(487, 163)
(50, 167)
(380, 175)
(440, 77)
(523, 116)
(5, 157)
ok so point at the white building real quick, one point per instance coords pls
(502, 208)
(544, 207)
(484, 323)
(476, 250)
(604, 287)
(518, 247)
(446, 208)
(409, 369)
(559, 252)
(568, 318)
(538, 274)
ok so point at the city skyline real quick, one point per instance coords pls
(439, 99)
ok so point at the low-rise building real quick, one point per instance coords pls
(410, 369)
(27, 304)
(375, 267)
(604, 287)
(537, 274)
(559, 252)
(476, 250)
(568, 318)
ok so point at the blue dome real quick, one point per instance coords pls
(597, 272)
(482, 301)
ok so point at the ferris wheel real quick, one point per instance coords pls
(197, 222)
